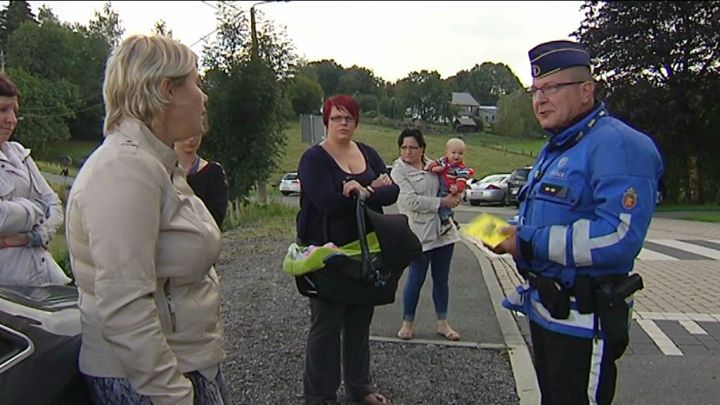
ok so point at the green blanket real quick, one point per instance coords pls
(304, 259)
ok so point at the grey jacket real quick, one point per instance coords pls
(27, 206)
(142, 249)
(418, 200)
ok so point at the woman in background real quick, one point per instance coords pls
(30, 211)
(418, 200)
(206, 177)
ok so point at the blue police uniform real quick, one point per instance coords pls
(585, 211)
(583, 216)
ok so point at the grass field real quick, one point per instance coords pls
(483, 159)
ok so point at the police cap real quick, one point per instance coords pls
(550, 57)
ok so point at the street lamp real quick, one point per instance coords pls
(253, 32)
(261, 184)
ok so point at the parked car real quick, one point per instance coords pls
(39, 345)
(489, 189)
(290, 183)
(517, 179)
(661, 192)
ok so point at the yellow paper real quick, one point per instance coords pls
(486, 228)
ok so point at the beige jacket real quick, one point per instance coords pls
(418, 200)
(142, 249)
(27, 206)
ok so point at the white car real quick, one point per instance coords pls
(489, 189)
(290, 183)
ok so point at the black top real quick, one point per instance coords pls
(210, 184)
(321, 196)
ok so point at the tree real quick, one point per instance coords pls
(327, 73)
(161, 28)
(45, 109)
(305, 95)
(57, 51)
(515, 115)
(107, 23)
(367, 103)
(12, 17)
(660, 70)
(45, 50)
(45, 14)
(359, 80)
(486, 82)
(247, 110)
(423, 95)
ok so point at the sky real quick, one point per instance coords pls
(390, 38)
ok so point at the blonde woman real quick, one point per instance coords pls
(142, 244)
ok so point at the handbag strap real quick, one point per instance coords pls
(362, 234)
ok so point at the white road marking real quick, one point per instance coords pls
(661, 340)
(693, 328)
(647, 254)
(689, 247)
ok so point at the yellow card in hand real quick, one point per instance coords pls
(486, 228)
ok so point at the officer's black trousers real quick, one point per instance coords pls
(572, 370)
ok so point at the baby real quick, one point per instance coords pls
(453, 178)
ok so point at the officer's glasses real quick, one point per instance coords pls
(550, 89)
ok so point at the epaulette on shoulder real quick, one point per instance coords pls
(129, 146)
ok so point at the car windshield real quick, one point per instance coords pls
(521, 174)
(493, 178)
(290, 176)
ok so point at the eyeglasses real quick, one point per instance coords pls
(340, 118)
(550, 89)
(409, 148)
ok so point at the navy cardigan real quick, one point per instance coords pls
(325, 214)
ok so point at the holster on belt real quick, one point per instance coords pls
(612, 309)
(584, 297)
(553, 297)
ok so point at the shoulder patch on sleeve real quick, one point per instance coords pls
(629, 198)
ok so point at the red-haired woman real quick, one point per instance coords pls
(330, 172)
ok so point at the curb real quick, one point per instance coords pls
(520, 360)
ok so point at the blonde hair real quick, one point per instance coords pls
(135, 73)
(453, 142)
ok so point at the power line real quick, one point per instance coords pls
(207, 3)
(31, 115)
(62, 106)
(204, 38)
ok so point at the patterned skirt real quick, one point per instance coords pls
(108, 390)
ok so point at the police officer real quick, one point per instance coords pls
(583, 216)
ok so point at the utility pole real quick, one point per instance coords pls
(261, 185)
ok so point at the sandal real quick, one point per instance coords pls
(449, 334)
(375, 398)
(405, 332)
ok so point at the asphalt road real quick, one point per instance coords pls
(647, 375)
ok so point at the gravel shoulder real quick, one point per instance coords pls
(266, 323)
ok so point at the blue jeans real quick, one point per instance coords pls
(438, 260)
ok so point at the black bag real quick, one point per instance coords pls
(373, 278)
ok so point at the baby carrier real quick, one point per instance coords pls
(362, 272)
